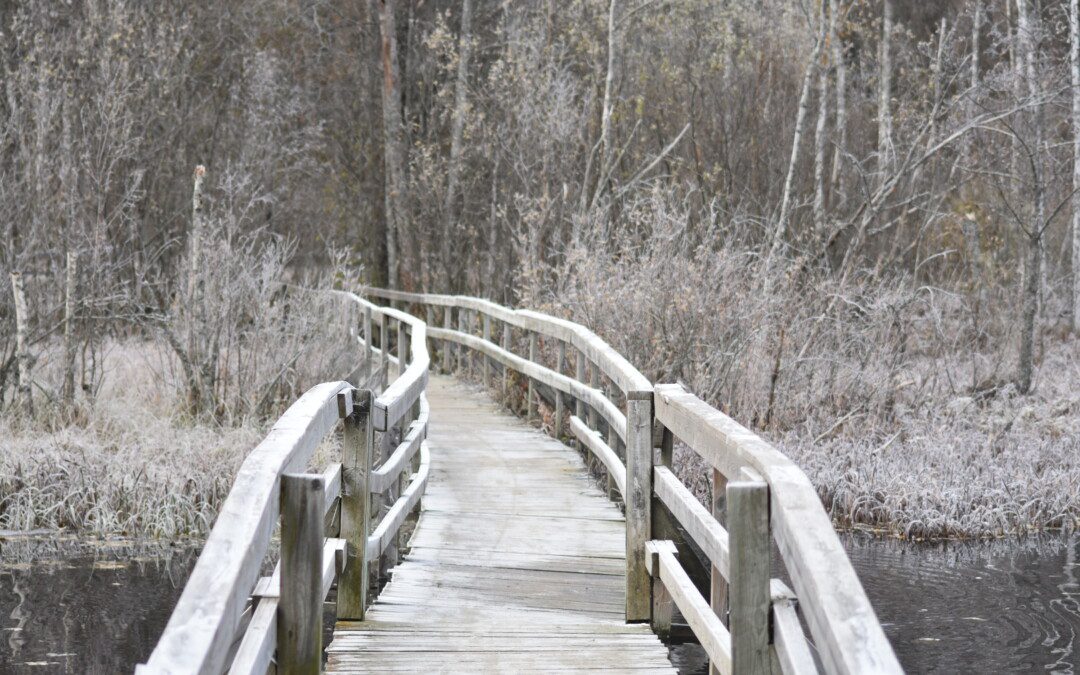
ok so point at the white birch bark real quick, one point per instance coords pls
(885, 93)
(820, 133)
(840, 64)
(607, 151)
(970, 224)
(796, 142)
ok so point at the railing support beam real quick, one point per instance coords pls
(358, 440)
(299, 625)
(748, 528)
(639, 469)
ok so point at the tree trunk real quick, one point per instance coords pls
(885, 102)
(607, 151)
(840, 63)
(796, 142)
(1030, 299)
(22, 347)
(393, 150)
(971, 224)
(819, 135)
(461, 92)
(1074, 49)
(68, 391)
(1027, 28)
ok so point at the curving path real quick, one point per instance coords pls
(516, 564)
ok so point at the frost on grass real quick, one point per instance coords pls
(892, 393)
(135, 465)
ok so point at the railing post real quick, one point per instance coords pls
(579, 375)
(402, 347)
(613, 443)
(559, 413)
(384, 346)
(358, 441)
(447, 346)
(718, 586)
(368, 346)
(429, 319)
(594, 382)
(487, 361)
(462, 357)
(299, 628)
(506, 370)
(639, 469)
(663, 606)
(748, 529)
(532, 403)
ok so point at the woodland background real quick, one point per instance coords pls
(852, 224)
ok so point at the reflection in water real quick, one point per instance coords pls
(950, 608)
(947, 608)
(85, 614)
(966, 608)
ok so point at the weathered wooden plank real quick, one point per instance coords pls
(391, 468)
(710, 632)
(748, 520)
(593, 397)
(614, 365)
(358, 444)
(790, 647)
(391, 522)
(299, 626)
(698, 522)
(842, 622)
(595, 443)
(205, 620)
(257, 648)
(530, 582)
(638, 502)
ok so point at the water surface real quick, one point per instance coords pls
(87, 613)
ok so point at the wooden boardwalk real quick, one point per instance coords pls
(516, 564)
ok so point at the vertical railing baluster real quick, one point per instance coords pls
(663, 606)
(487, 361)
(358, 439)
(638, 501)
(402, 348)
(579, 375)
(462, 358)
(384, 346)
(559, 413)
(447, 346)
(368, 346)
(532, 406)
(748, 531)
(506, 370)
(299, 628)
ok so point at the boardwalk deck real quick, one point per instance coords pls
(516, 564)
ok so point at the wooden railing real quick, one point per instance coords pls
(228, 618)
(750, 622)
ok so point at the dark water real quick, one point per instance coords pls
(86, 614)
(967, 608)
(947, 608)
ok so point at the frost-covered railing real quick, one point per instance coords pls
(230, 619)
(750, 622)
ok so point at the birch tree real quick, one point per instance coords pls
(885, 126)
(796, 143)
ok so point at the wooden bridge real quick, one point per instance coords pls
(520, 559)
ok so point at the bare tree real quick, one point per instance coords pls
(1074, 70)
(393, 140)
(453, 171)
(885, 119)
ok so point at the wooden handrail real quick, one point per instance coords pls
(846, 632)
(842, 622)
(214, 627)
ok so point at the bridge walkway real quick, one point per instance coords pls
(516, 563)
